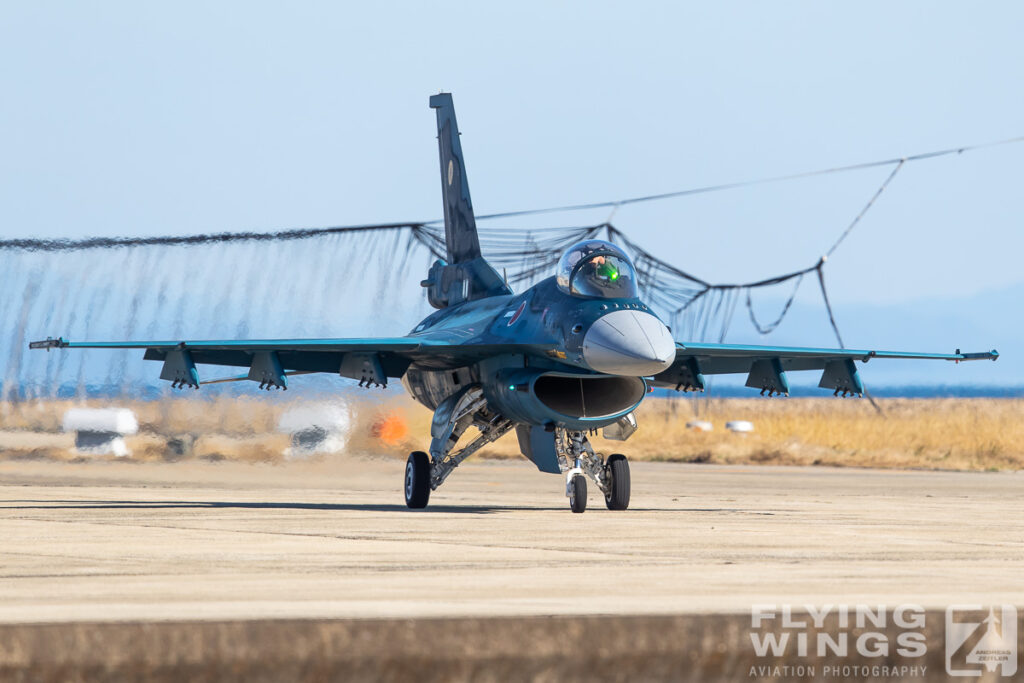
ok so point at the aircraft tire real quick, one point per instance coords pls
(617, 469)
(417, 480)
(578, 493)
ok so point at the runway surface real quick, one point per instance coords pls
(119, 541)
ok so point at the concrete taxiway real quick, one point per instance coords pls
(105, 541)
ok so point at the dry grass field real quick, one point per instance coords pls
(961, 434)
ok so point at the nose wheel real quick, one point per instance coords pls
(579, 462)
(577, 493)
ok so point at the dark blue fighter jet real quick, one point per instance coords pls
(575, 353)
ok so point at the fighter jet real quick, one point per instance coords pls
(575, 353)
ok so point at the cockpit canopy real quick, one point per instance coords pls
(597, 268)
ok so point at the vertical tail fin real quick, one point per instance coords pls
(467, 275)
(459, 222)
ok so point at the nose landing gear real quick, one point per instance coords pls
(611, 475)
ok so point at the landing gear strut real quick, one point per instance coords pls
(579, 461)
(452, 418)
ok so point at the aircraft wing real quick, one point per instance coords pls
(766, 366)
(270, 361)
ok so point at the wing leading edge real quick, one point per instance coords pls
(271, 361)
(766, 366)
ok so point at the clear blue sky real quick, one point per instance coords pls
(150, 118)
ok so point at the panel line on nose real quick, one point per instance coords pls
(626, 352)
(654, 354)
(610, 324)
(650, 345)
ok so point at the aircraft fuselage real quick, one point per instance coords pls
(585, 369)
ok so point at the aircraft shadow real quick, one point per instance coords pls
(338, 507)
(219, 505)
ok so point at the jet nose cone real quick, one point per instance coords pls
(627, 342)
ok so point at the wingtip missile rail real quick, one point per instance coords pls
(984, 355)
(49, 343)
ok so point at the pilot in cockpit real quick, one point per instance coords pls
(596, 268)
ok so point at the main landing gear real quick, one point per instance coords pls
(468, 408)
(613, 480)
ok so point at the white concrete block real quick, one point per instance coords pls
(739, 426)
(101, 431)
(316, 428)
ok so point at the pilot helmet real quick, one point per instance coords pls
(596, 268)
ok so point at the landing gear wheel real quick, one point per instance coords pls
(578, 493)
(616, 469)
(417, 480)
